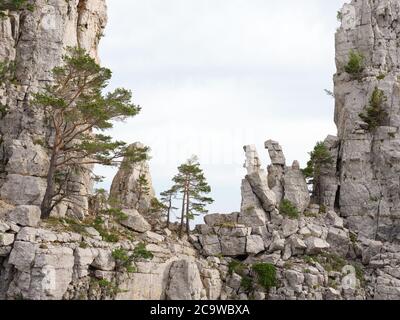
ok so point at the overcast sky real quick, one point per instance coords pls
(214, 75)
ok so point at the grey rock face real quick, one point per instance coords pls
(185, 282)
(295, 188)
(36, 40)
(124, 188)
(135, 221)
(368, 166)
(26, 216)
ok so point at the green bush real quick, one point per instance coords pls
(246, 283)
(319, 157)
(140, 251)
(266, 275)
(14, 5)
(124, 260)
(288, 209)
(355, 65)
(236, 267)
(374, 114)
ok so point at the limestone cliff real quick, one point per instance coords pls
(35, 41)
(341, 244)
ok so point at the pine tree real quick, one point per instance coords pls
(142, 189)
(75, 107)
(166, 199)
(191, 182)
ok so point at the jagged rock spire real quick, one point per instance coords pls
(369, 157)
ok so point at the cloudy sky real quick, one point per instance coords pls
(214, 75)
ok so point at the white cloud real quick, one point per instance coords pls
(214, 75)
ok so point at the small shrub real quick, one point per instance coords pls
(140, 251)
(236, 267)
(381, 76)
(118, 214)
(123, 260)
(266, 275)
(288, 209)
(359, 273)
(319, 157)
(355, 65)
(108, 288)
(374, 114)
(246, 283)
(331, 262)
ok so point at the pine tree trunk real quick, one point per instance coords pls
(46, 205)
(187, 214)
(169, 212)
(183, 215)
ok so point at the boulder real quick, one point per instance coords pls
(316, 245)
(289, 227)
(26, 216)
(213, 220)
(135, 221)
(22, 255)
(255, 244)
(184, 282)
(233, 246)
(339, 241)
(6, 239)
(211, 245)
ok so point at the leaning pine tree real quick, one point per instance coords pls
(77, 112)
(191, 182)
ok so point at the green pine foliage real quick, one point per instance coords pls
(192, 184)
(355, 65)
(287, 208)
(79, 112)
(266, 274)
(166, 201)
(319, 157)
(375, 114)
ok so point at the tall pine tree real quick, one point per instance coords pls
(78, 112)
(192, 184)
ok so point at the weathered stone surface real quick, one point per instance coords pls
(36, 40)
(185, 282)
(21, 190)
(26, 216)
(22, 255)
(275, 153)
(316, 245)
(124, 188)
(254, 244)
(259, 184)
(295, 186)
(253, 163)
(233, 246)
(213, 220)
(368, 159)
(135, 221)
(339, 241)
(211, 245)
(6, 239)
(289, 227)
